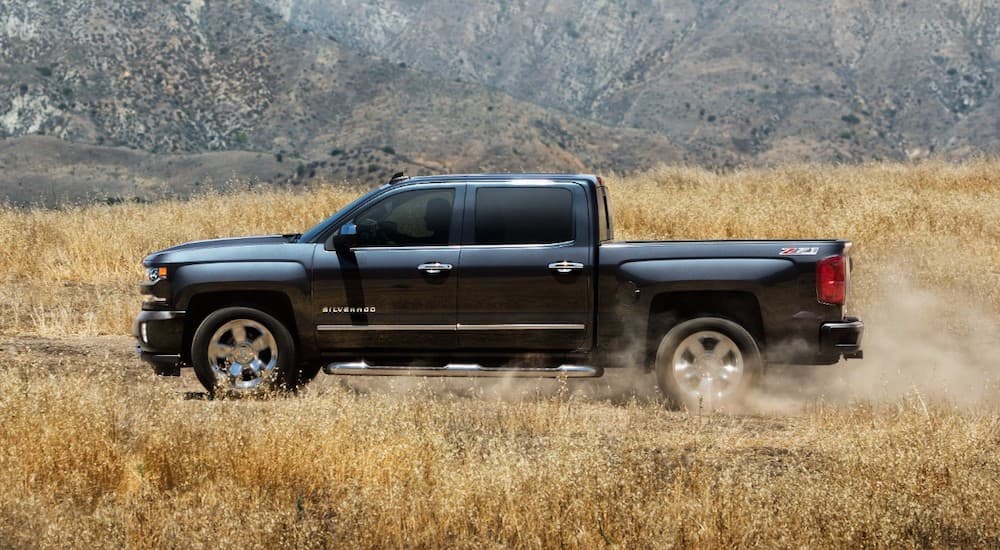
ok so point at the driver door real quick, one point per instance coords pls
(396, 290)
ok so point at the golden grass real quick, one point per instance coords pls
(938, 223)
(74, 271)
(935, 222)
(95, 452)
(97, 457)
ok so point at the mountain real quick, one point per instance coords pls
(117, 99)
(753, 80)
(177, 80)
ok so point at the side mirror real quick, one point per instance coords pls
(344, 240)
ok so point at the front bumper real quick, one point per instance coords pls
(159, 339)
(842, 339)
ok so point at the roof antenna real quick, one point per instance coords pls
(398, 177)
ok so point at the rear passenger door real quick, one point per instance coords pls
(526, 268)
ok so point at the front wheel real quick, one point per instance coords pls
(241, 350)
(707, 362)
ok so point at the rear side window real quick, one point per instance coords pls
(523, 215)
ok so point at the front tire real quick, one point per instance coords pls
(707, 363)
(243, 351)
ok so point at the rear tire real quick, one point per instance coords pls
(707, 363)
(245, 351)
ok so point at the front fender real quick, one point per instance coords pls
(290, 278)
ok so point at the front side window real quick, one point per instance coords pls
(523, 215)
(411, 218)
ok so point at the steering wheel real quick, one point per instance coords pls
(390, 231)
(368, 230)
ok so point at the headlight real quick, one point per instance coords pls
(156, 273)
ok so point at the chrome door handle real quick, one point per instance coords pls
(434, 268)
(566, 267)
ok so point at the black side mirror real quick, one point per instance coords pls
(344, 240)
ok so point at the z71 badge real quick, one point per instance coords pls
(799, 251)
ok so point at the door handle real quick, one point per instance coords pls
(434, 268)
(566, 267)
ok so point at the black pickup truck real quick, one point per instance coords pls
(492, 275)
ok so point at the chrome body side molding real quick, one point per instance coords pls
(332, 328)
(525, 326)
(362, 368)
(459, 327)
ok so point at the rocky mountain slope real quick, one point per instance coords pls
(289, 90)
(194, 77)
(754, 80)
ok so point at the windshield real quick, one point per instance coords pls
(314, 233)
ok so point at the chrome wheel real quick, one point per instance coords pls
(242, 355)
(707, 366)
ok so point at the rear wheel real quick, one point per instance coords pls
(241, 350)
(707, 362)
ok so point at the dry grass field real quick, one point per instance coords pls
(897, 450)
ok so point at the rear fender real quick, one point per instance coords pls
(756, 280)
(708, 274)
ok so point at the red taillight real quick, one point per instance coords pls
(831, 280)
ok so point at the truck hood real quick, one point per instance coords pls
(220, 248)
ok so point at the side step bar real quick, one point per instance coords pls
(461, 370)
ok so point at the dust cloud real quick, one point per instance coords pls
(938, 344)
(931, 345)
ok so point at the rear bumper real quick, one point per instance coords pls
(159, 338)
(842, 339)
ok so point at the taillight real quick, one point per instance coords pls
(831, 280)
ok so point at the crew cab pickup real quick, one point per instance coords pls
(492, 275)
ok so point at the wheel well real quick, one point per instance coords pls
(274, 303)
(671, 308)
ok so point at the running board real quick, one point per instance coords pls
(461, 370)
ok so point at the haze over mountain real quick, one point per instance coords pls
(138, 98)
(761, 79)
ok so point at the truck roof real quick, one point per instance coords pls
(492, 177)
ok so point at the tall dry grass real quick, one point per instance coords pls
(937, 224)
(92, 456)
(96, 452)
(73, 271)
